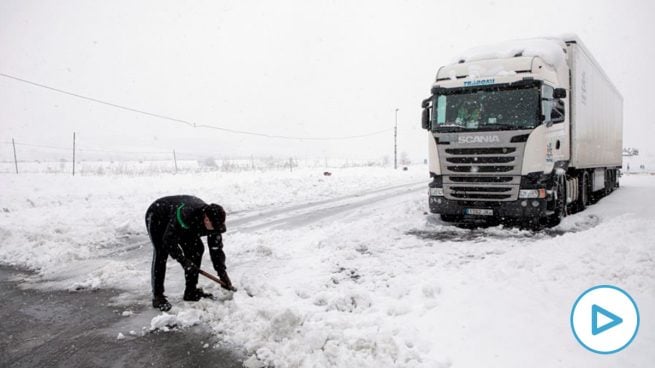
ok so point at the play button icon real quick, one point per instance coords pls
(613, 319)
(605, 319)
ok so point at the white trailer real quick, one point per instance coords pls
(528, 130)
(597, 116)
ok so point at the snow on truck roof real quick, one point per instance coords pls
(551, 50)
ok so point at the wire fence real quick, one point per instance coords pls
(28, 158)
(182, 166)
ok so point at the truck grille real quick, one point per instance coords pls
(480, 169)
(481, 179)
(479, 197)
(481, 151)
(486, 193)
(480, 160)
(478, 173)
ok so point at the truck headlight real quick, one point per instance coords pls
(532, 193)
(436, 192)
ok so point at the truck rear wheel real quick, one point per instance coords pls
(559, 202)
(583, 199)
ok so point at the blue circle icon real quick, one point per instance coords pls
(605, 319)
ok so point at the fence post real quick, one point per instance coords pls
(73, 153)
(15, 159)
(291, 164)
(175, 160)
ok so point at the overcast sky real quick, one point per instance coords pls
(291, 68)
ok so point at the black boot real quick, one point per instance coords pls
(160, 302)
(193, 295)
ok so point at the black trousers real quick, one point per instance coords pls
(192, 247)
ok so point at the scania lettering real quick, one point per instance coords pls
(478, 139)
(529, 130)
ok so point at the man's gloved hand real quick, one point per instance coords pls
(226, 280)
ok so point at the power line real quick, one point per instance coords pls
(186, 122)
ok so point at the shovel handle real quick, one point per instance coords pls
(212, 277)
(217, 280)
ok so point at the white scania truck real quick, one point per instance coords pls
(528, 130)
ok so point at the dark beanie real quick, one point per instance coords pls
(216, 214)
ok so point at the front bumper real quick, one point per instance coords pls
(522, 208)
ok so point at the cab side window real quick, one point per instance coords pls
(552, 109)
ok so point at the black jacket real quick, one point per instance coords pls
(179, 221)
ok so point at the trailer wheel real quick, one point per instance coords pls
(559, 205)
(583, 199)
(613, 180)
(608, 183)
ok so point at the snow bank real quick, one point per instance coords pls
(549, 49)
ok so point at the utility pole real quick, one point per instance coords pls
(73, 153)
(175, 161)
(395, 142)
(15, 159)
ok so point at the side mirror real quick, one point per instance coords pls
(559, 93)
(425, 119)
(426, 102)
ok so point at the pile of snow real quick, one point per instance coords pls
(185, 318)
(551, 50)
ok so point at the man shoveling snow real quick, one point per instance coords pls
(175, 225)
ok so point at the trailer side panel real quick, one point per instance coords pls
(597, 114)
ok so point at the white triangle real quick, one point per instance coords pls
(603, 320)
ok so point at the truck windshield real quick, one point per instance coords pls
(487, 109)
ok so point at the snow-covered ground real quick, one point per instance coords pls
(348, 270)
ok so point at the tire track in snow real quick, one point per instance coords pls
(289, 217)
(304, 214)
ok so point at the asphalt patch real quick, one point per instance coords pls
(79, 329)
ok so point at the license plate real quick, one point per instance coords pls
(479, 211)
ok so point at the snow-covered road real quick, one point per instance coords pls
(303, 214)
(329, 276)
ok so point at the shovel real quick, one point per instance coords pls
(217, 280)
(211, 277)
